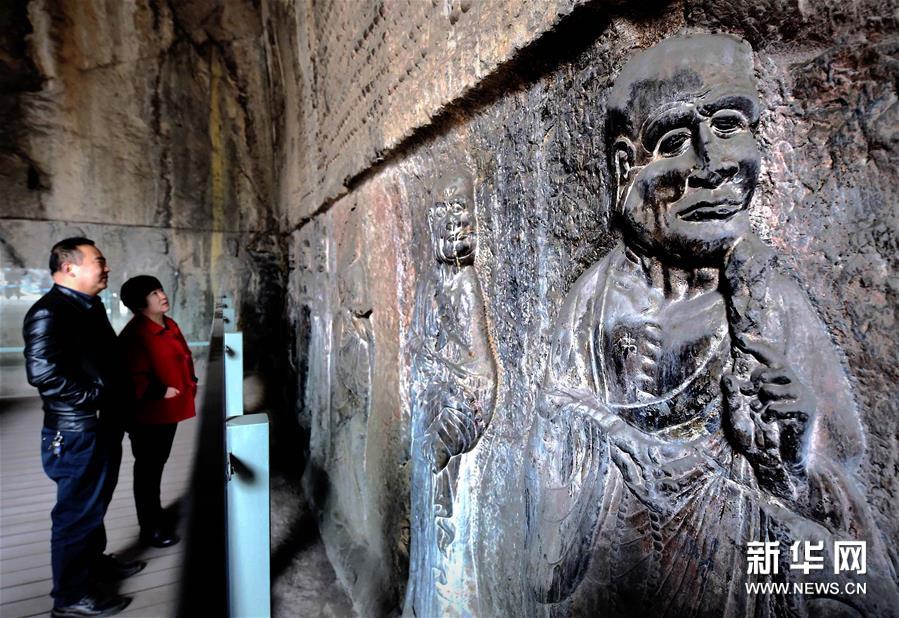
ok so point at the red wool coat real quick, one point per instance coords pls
(158, 357)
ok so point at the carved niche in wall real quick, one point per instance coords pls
(693, 402)
(452, 398)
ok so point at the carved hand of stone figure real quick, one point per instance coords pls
(769, 409)
(628, 447)
(643, 460)
(454, 430)
(631, 452)
(770, 415)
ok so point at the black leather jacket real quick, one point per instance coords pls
(72, 357)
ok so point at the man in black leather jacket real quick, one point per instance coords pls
(72, 358)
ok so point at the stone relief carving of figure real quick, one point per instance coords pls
(452, 398)
(693, 401)
(353, 361)
(310, 285)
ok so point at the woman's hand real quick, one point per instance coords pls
(170, 392)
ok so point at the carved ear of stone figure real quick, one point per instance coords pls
(623, 159)
(678, 421)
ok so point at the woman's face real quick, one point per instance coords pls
(157, 302)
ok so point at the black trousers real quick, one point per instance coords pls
(85, 469)
(151, 445)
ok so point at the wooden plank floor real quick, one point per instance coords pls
(27, 496)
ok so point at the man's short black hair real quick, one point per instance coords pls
(67, 251)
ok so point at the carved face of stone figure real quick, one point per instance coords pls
(683, 153)
(452, 222)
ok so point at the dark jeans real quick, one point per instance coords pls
(151, 445)
(85, 471)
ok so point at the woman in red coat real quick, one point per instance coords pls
(162, 372)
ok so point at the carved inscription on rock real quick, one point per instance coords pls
(693, 401)
(452, 398)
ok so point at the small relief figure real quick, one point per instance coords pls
(353, 349)
(452, 398)
(693, 402)
(353, 361)
(313, 323)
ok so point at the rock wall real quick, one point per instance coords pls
(531, 134)
(146, 126)
(361, 78)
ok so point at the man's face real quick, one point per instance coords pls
(91, 275)
(452, 227)
(695, 164)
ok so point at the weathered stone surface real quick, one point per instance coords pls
(18, 77)
(355, 476)
(139, 124)
(371, 74)
(145, 125)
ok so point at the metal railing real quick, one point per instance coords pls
(226, 569)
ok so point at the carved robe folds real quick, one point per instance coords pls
(637, 498)
(453, 385)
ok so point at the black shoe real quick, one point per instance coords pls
(159, 538)
(111, 569)
(92, 606)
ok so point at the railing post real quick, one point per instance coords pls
(233, 374)
(248, 516)
(227, 563)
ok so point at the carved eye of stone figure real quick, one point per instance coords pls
(728, 122)
(673, 143)
(724, 124)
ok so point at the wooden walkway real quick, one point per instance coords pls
(27, 496)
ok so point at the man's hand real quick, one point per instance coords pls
(170, 392)
(770, 416)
